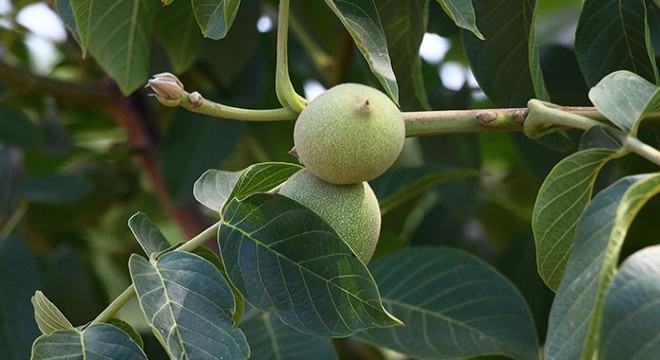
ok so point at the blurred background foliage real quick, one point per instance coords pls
(77, 159)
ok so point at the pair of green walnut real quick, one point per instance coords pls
(348, 135)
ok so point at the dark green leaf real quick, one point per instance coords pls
(147, 234)
(534, 62)
(462, 13)
(398, 185)
(360, 17)
(601, 137)
(215, 17)
(56, 188)
(215, 187)
(49, 318)
(453, 305)
(271, 339)
(177, 31)
(576, 313)
(501, 62)
(285, 259)
(564, 195)
(17, 130)
(614, 35)
(189, 305)
(127, 328)
(117, 33)
(631, 309)
(98, 341)
(625, 99)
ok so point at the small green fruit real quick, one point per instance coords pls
(349, 134)
(352, 210)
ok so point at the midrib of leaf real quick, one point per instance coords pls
(625, 35)
(82, 342)
(168, 302)
(131, 37)
(273, 339)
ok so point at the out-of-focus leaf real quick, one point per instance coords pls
(564, 195)
(11, 179)
(270, 339)
(361, 19)
(17, 130)
(177, 31)
(189, 305)
(575, 318)
(614, 35)
(216, 187)
(462, 13)
(65, 11)
(453, 305)
(631, 309)
(501, 62)
(56, 188)
(98, 341)
(563, 78)
(625, 98)
(117, 34)
(48, 317)
(147, 234)
(215, 17)
(285, 259)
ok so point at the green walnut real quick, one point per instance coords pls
(352, 210)
(349, 134)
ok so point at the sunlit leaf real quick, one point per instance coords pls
(147, 234)
(49, 318)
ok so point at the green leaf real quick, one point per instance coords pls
(176, 29)
(127, 328)
(398, 185)
(360, 18)
(271, 339)
(65, 11)
(98, 341)
(56, 188)
(285, 259)
(215, 187)
(576, 312)
(16, 129)
(501, 62)
(564, 195)
(189, 305)
(462, 13)
(631, 309)
(49, 318)
(534, 62)
(614, 35)
(215, 17)
(625, 99)
(117, 34)
(147, 234)
(404, 23)
(454, 306)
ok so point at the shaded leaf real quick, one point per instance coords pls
(65, 12)
(56, 188)
(285, 259)
(576, 312)
(453, 305)
(147, 234)
(536, 72)
(98, 341)
(614, 35)
(462, 13)
(625, 98)
(631, 309)
(361, 19)
(17, 130)
(189, 305)
(271, 339)
(127, 328)
(601, 136)
(176, 29)
(48, 317)
(215, 17)
(564, 195)
(215, 187)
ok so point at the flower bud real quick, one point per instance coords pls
(167, 88)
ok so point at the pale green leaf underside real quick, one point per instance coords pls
(284, 259)
(576, 312)
(147, 234)
(48, 317)
(215, 187)
(625, 98)
(462, 13)
(189, 305)
(564, 195)
(632, 309)
(361, 19)
(98, 341)
(454, 306)
(271, 339)
(215, 17)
